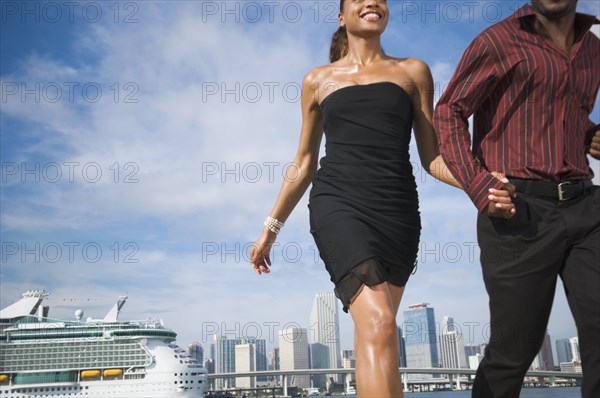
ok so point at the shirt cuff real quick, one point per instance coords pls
(479, 189)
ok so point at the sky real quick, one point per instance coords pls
(143, 143)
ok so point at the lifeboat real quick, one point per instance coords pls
(87, 374)
(113, 372)
(3, 378)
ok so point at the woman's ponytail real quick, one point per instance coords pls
(339, 41)
(339, 44)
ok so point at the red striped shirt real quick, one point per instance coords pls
(530, 105)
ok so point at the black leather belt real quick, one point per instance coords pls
(559, 191)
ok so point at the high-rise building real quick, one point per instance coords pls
(575, 349)
(293, 354)
(420, 335)
(260, 355)
(571, 367)
(245, 361)
(471, 350)
(325, 328)
(544, 360)
(274, 359)
(225, 359)
(274, 364)
(349, 362)
(196, 351)
(452, 346)
(563, 351)
(546, 353)
(209, 364)
(474, 361)
(482, 348)
(348, 359)
(401, 349)
(319, 359)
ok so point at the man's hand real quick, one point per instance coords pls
(501, 204)
(595, 145)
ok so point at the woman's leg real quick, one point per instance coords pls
(376, 341)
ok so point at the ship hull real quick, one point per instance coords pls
(102, 389)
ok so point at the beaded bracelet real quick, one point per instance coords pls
(273, 225)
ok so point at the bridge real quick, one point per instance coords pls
(454, 377)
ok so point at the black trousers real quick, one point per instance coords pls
(521, 260)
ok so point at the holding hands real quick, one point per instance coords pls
(501, 203)
(595, 145)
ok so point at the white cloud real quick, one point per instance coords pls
(208, 169)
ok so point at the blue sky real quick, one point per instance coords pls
(143, 144)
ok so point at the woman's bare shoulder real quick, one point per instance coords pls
(319, 76)
(416, 69)
(410, 64)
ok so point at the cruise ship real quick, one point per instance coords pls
(95, 358)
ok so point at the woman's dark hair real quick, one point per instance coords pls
(339, 41)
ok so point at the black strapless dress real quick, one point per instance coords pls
(364, 208)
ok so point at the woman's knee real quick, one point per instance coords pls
(378, 326)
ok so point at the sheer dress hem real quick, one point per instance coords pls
(369, 272)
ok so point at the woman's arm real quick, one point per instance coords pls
(425, 136)
(427, 143)
(299, 174)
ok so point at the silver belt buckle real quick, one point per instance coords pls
(561, 192)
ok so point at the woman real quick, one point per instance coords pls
(363, 204)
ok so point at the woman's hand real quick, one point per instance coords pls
(501, 203)
(595, 145)
(259, 254)
(298, 176)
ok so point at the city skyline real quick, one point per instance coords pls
(148, 169)
(427, 342)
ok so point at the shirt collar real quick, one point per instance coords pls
(582, 21)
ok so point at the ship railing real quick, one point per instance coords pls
(135, 370)
(150, 324)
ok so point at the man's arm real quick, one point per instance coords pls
(475, 77)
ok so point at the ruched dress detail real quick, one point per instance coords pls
(364, 208)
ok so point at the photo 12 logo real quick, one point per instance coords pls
(427, 11)
(71, 252)
(70, 172)
(251, 12)
(69, 92)
(69, 11)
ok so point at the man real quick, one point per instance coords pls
(531, 81)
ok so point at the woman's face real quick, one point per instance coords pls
(364, 16)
